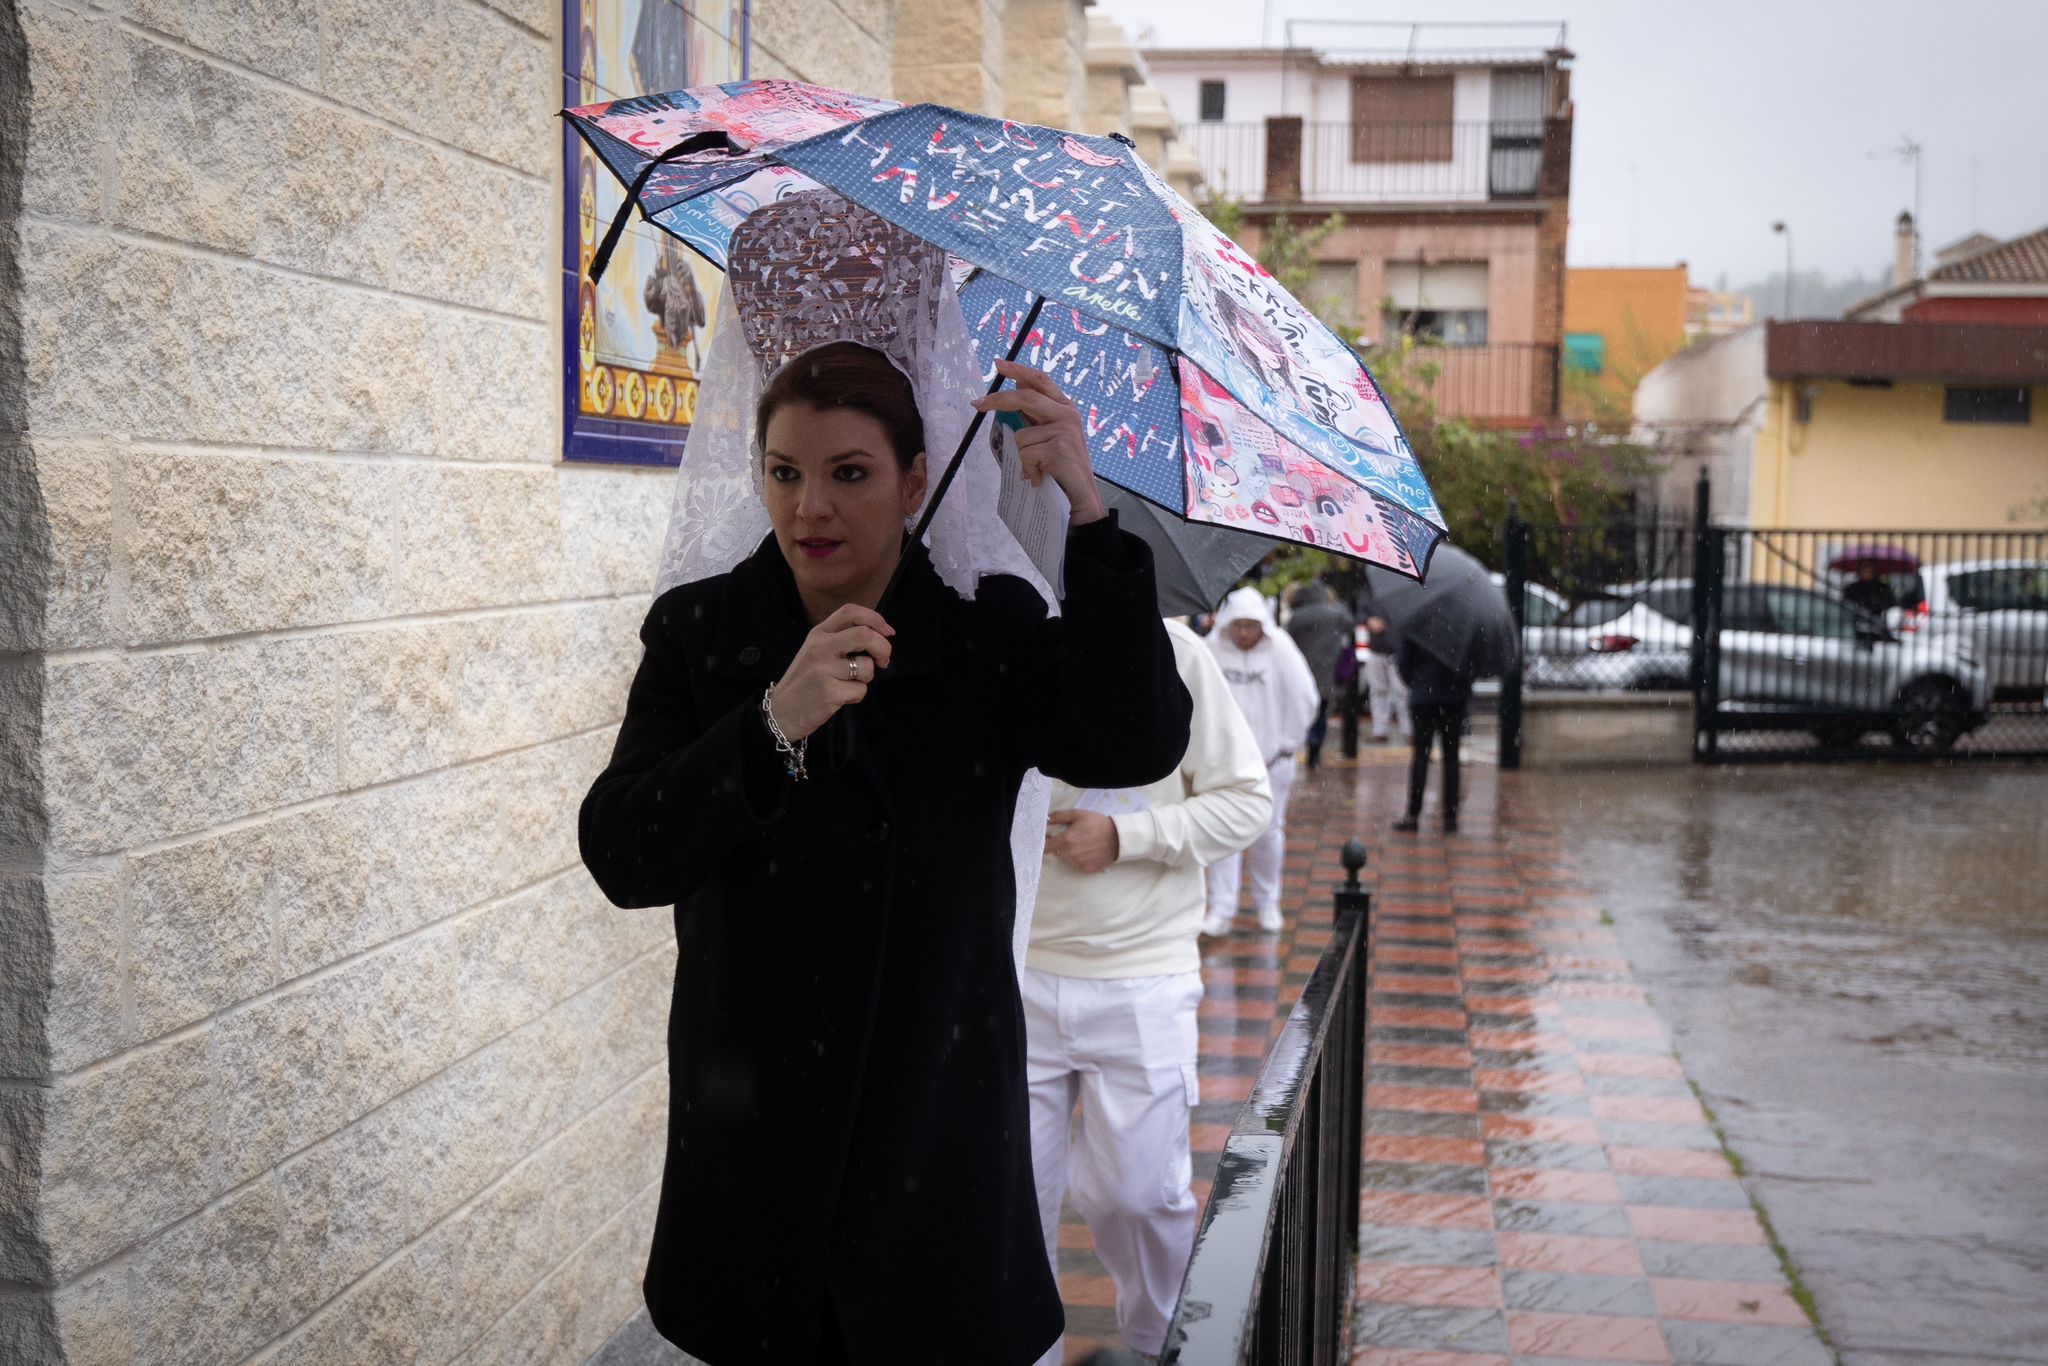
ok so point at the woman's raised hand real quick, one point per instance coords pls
(834, 668)
(1055, 443)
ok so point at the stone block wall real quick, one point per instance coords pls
(1044, 69)
(1606, 730)
(1113, 68)
(317, 1045)
(950, 52)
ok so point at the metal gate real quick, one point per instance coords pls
(1802, 644)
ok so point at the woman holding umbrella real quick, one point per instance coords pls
(824, 791)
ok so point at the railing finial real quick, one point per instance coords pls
(1354, 863)
(1350, 895)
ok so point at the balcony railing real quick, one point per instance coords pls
(1270, 1281)
(1374, 163)
(1497, 382)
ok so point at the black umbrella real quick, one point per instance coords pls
(1195, 564)
(1457, 613)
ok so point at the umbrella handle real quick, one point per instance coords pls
(696, 142)
(953, 467)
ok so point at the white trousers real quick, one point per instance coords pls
(1389, 694)
(1125, 1048)
(1265, 854)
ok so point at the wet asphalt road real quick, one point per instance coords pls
(1853, 962)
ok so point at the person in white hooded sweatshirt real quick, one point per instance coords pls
(1276, 691)
(1112, 977)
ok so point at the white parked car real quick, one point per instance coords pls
(1790, 658)
(1801, 659)
(1542, 608)
(1636, 638)
(2001, 607)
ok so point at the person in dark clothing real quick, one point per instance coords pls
(1438, 695)
(1321, 627)
(1870, 594)
(826, 798)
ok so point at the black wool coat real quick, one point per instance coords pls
(846, 1046)
(1431, 682)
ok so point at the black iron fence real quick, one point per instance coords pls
(1794, 643)
(1826, 643)
(1270, 1281)
(1599, 603)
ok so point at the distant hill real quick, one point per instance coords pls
(1814, 293)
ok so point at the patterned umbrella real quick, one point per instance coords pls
(1207, 388)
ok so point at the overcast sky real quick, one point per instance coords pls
(1700, 121)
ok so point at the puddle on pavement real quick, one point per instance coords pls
(1852, 962)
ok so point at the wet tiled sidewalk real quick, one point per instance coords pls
(1541, 1186)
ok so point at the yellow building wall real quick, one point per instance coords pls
(1640, 312)
(1870, 458)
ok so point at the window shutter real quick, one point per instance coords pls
(1401, 118)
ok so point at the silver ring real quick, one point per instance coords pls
(852, 667)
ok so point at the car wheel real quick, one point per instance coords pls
(1931, 716)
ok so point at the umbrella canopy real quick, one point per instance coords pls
(1208, 389)
(1460, 615)
(1195, 565)
(1885, 559)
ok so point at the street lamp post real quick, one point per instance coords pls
(1780, 227)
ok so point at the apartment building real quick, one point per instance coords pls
(1445, 148)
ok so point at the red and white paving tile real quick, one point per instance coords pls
(1541, 1187)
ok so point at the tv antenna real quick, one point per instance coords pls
(1909, 151)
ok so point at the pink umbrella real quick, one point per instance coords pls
(1885, 559)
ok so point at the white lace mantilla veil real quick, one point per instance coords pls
(814, 269)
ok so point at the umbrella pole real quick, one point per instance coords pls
(953, 467)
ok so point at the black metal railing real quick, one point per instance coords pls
(1898, 643)
(1604, 604)
(1270, 1281)
(1793, 643)
(1376, 163)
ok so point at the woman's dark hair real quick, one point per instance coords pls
(847, 375)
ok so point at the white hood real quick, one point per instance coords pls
(1272, 682)
(1243, 603)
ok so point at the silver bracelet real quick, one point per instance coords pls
(792, 752)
